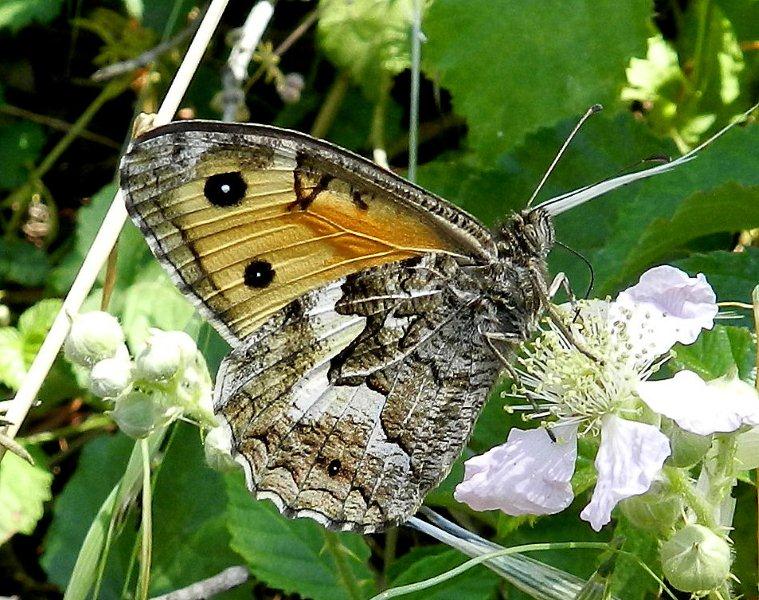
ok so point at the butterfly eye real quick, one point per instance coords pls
(333, 468)
(225, 189)
(258, 274)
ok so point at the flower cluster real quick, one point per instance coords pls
(168, 378)
(638, 424)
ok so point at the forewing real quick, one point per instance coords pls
(352, 403)
(285, 214)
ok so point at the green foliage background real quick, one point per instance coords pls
(503, 84)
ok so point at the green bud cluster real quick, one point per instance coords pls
(168, 377)
(695, 559)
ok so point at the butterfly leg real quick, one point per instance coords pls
(553, 314)
(561, 280)
(490, 339)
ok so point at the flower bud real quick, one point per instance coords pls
(218, 449)
(138, 413)
(696, 559)
(159, 360)
(93, 337)
(656, 510)
(687, 448)
(110, 376)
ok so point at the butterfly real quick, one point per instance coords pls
(368, 318)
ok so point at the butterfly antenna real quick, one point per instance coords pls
(591, 111)
(579, 255)
(564, 202)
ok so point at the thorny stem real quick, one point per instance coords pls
(391, 541)
(331, 106)
(335, 548)
(146, 546)
(681, 485)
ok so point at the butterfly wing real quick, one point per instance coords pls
(247, 218)
(352, 402)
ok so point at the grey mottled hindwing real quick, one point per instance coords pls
(351, 403)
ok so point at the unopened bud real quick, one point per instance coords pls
(696, 559)
(657, 510)
(93, 337)
(160, 359)
(218, 449)
(110, 376)
(138, 413)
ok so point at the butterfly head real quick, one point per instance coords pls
(527, 234)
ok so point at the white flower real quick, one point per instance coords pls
(631, 455)
(665, 307)
(529, 474)
(718, 406)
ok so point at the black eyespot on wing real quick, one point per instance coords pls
(258, 274)
(333, 468)
(225, 189)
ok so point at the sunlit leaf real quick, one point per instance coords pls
(24, 488)
(512, 70)
(16, 14)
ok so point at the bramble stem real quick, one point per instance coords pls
(335, 548)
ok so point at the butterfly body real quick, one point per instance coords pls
(365, 314)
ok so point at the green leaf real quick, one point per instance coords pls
(291, 554)
(629, 580)
(512, 70)
(716, 352)
(16, 14)
(743, 534)
(24, 489)
(20, 146)
(12, 365)
(729, 208)
(478, 583)
(35, 322)
(88, 220)
(100, 466)
(189, 504)
(155, 303)
(367, 38)
(22, 262)
(648, 221)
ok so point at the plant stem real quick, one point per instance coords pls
(681, 485)
(377, 134)
(93, 422)
(335, 548)
(146, 547)
(391, 541)
(331, 106)
(416, 52)
(58, 124)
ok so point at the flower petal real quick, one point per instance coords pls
(721, 405)
(665, 307)
(630, 457)
(529, 474)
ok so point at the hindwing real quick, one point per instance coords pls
(353, 401)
